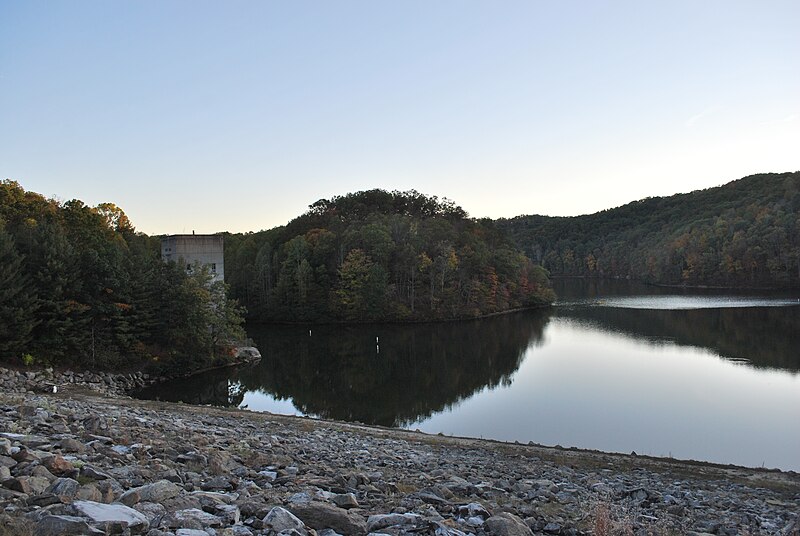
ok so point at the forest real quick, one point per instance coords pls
(744, 234)
(381, 256)
(79, 286)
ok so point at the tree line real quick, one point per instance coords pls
(79, 286)
(381, 256)
(742, 234)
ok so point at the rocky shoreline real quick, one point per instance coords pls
(88, 460)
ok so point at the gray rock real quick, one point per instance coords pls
(382, 521)
(320, 515)
(154, 512)
(90, 471)
(156, 492)
(345, 500)
(280, 519)
(473, 510)
(505, 524)
(65, 489)
(69, 444)
(193, 518)
(112, 518)
(61, 525)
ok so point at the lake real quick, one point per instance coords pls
(613, 366)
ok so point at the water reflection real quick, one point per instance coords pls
(388, 375)
(712, 383)
(766, 337)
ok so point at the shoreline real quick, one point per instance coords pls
(675, 285)
(398, 322)
(170, 467)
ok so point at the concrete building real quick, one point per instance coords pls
(207, 250)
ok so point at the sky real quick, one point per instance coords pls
(235, 116)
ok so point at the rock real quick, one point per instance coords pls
(154, 512)
(320, 515)
(218, 483)
(279, 520)
(505, 524)
(190, 532)
(5, 447)
(90, 471)
(90, 492)
(156, 492)
(113, 518)
(69, 444)
(345, 500)
(473, 510)
(193, 518)
(24, 455)
(382, 521)
(64, 489)
(57, 465)
(61, 525)
(552, 528)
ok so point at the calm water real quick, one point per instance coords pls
(613, 366)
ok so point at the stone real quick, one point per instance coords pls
(64, 489)
(473, 510)
(24, 455)
(156, 492)
(382, 521)
(318, 515)
(69, 444)
(57, 465)
(152, 511)
(280, 519)
(90, 492)
(113, 518)
(193, 518)
(506, 524)
(90, 471)
(61, 525)
(190, 532)
(345, 500)
(5, 447)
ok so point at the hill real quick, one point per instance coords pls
(378, 255)
(79, 286)
(743, 234)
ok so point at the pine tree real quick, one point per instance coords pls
(17, 301)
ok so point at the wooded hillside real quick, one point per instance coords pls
(743, 234)
(78, 286)
(378, 255)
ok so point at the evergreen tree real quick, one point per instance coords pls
(17, 302)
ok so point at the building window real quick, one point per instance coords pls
(188, 267)
(213, 267)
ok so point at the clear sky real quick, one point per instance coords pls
(214, 116)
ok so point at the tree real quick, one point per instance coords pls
(17, 302)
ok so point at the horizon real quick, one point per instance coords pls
(191, 232)
(207, 117)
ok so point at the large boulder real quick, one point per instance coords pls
(280, 519)
(156, 492)
(506, 524)
(112, 518)
(319, 515)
